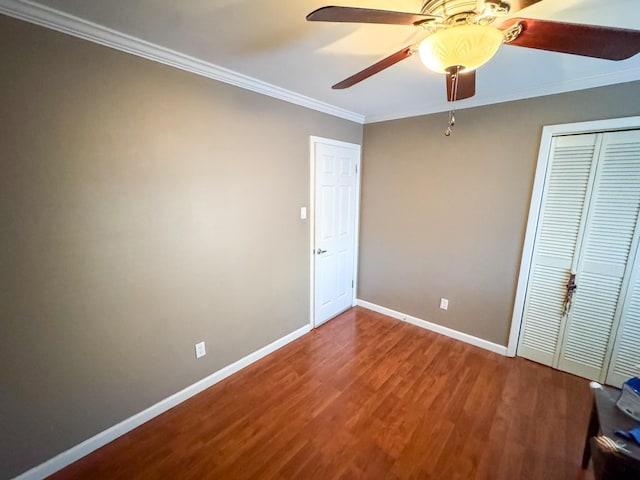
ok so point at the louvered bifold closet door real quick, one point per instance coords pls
(625, 342)
(602, 273)
(625, 361)
(567, 187)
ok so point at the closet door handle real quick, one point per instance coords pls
(571, 287)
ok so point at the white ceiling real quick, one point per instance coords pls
(270, 40)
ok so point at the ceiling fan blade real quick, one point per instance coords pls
(375, 68)
(578, 39)
(466, 86)
(366, 15)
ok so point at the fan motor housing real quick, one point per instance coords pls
(453, 8)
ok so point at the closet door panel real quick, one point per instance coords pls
(589, 325)
(625, 358)
(602, 264)
(569, 175)
(625, 362)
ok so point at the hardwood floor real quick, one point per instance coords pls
(364, 396)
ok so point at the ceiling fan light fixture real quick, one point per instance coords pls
(468, 46)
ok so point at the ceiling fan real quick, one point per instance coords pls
(462, 37)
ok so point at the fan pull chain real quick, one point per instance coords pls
(454, 96)
(451, 123)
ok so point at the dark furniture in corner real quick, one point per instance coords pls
(605, 418)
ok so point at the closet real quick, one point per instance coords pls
(582, 305)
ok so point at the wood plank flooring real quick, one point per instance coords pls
(364, 396)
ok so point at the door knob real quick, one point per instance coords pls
(571, 287)
(319, 251)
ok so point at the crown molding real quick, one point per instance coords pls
(35, 13)
(62, 22)
(584, 83)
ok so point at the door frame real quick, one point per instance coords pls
(548, 132)
(313, 141)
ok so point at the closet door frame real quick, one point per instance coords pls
(548, 132)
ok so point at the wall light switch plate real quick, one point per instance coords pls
(201, 351)
(303, 213)
(444, 303)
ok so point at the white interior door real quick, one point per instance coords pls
(336, 201)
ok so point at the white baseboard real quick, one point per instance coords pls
(82, 449)
(449, 332)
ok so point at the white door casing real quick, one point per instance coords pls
(601, 331)
(587, 226)
(334, 230)
(526, 263)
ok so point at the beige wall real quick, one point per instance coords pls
(142, 209)
(446, 217)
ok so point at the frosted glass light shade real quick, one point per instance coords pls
(468, 46)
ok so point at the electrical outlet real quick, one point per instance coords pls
(444, 303)
(201, 351)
